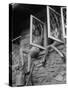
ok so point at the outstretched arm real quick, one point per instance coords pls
(58, 51)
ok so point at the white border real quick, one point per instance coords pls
(62, 17)
(48, 24)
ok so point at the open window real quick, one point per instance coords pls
(64, 22)
(54, 25)
(37, 30)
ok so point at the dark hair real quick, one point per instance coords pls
(37, 28)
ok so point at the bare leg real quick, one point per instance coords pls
(29, 62)
(58, 51)
(21, 56)
(45, 58)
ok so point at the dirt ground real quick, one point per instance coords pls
(54, 71)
